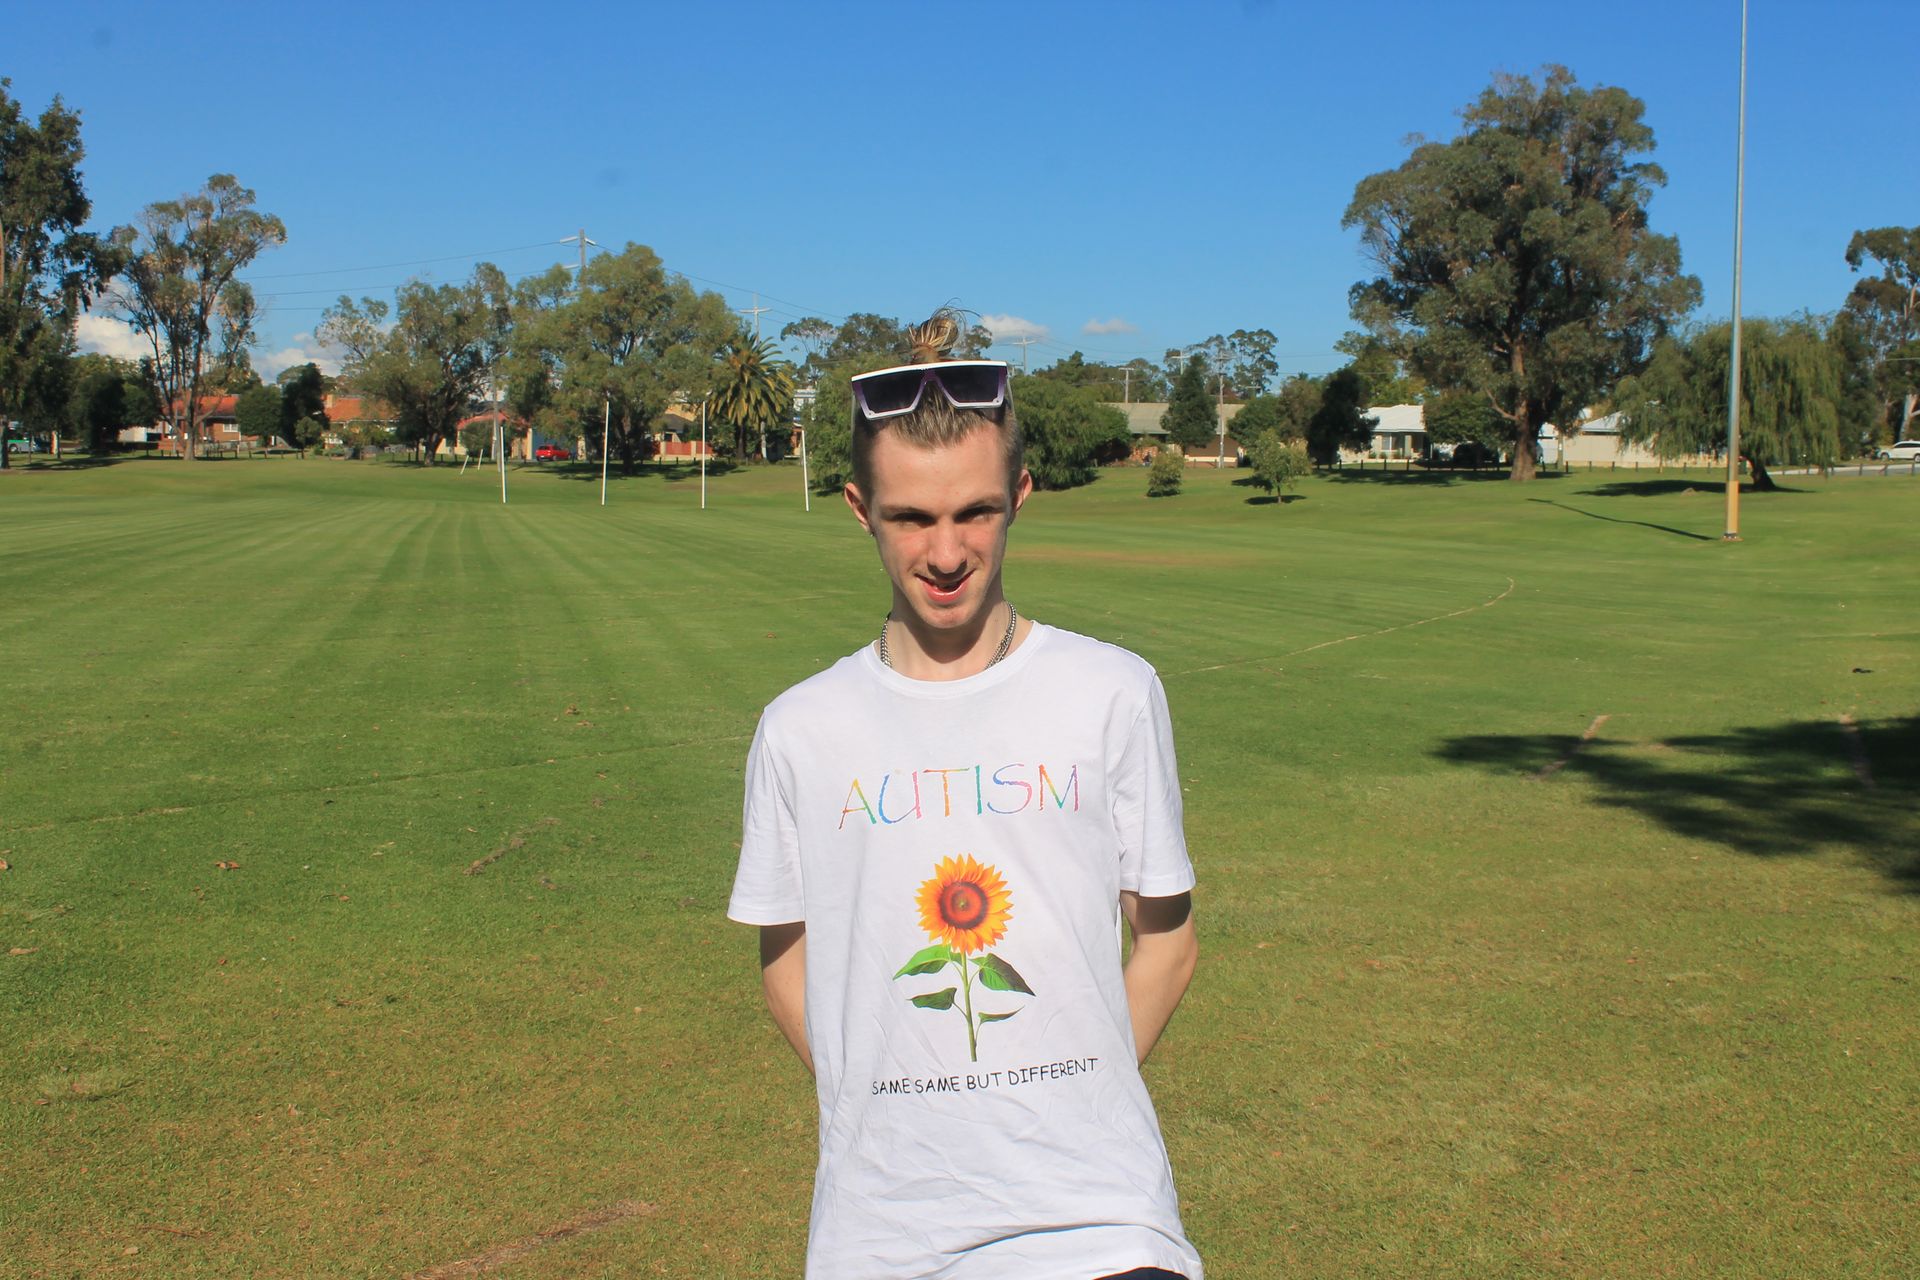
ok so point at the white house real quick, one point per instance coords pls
(1598, 444)
(1400, 431)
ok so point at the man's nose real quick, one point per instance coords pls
(946, 553)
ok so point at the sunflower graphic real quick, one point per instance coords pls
(965, 907)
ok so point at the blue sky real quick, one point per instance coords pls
(1160, 171)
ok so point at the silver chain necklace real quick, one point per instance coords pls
(1006, 641)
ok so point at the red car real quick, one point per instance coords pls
(552, 453)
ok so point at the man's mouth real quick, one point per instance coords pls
(945, 590)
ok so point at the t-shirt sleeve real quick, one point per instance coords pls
(1148, 815)
(767, 889)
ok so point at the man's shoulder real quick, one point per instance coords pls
(821, 691)
(1098, 660)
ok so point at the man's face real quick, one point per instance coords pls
(939, 516)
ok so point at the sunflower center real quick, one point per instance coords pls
(963, 905)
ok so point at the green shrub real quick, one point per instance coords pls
(1168, 469)
(1278, 463)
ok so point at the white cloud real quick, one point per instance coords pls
(109, 337)
(112, 337)
(1095, 328)
(303, 349)
(1007, 328)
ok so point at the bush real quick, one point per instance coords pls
(1068, 432)
(1164, 474)
(1278, 463)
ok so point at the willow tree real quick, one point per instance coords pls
(1792, 395)
(1516, 260)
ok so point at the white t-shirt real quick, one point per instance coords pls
(957, 850)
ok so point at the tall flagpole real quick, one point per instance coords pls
(606, 419)
(703, 455)
(1733, 379)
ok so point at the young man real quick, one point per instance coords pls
(941, 832)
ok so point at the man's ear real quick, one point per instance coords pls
(857, 503)
(1022, 490)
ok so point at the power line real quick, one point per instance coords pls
(801, 310)
(388, 266)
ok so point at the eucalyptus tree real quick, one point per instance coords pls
(180, 289)
(632, 342)
(1884, 312)
(813, 334)
(435, 361)
(50, 269)
(1516, 260)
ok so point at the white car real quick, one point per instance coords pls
(1900, 451)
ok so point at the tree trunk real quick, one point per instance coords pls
(1907, 407)
(1525, 434)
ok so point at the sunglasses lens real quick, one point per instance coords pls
(890, 393)
(975, 386)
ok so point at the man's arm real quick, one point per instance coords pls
(783, 973)
(1165, 950)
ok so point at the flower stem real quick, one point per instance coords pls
(966, 986)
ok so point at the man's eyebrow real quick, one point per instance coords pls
(986, 502)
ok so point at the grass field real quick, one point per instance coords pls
(369, 844)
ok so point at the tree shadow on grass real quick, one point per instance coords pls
(1661, 488)
(1644, 524)
(1273, 500)
(67, 462)
(587, 472)
(1440, 475)
(1786, 790)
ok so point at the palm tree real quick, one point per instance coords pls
(755, 391)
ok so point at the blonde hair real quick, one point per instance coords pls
(935, 423)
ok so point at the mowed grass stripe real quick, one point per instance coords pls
(1632, 1017)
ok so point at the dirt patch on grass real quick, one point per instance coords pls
(517, 840)
(500, 1255)
(1566, 758)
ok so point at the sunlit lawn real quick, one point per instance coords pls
(369, 843)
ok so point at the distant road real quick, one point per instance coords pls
(1905, 467)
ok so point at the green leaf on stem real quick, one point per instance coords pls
(932, 960)
(938, 1000)
(997, 975)
(997, 1017)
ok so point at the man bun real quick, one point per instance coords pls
(933, 340)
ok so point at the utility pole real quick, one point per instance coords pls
(1023, 344)
(1220, 423)
(580, 281)
(1733, 383)
(755, 310)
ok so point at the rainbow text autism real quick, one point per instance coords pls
(963, 791)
